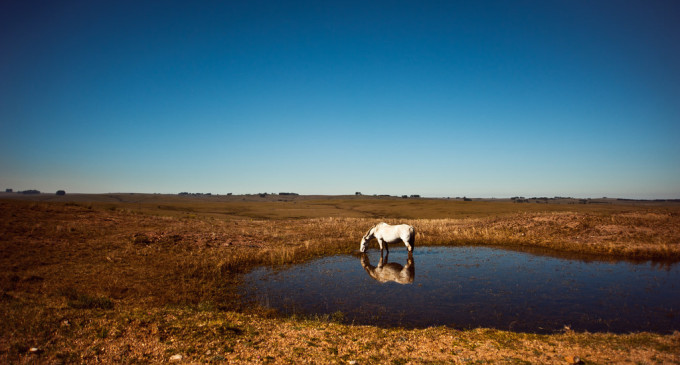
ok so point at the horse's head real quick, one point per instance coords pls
(364, 241)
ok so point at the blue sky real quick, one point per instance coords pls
(450, 98)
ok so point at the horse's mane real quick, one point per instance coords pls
(369, 231)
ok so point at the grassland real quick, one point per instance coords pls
(140, 278)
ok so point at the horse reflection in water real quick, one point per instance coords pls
(390, 271)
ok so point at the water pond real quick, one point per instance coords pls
(467, 287)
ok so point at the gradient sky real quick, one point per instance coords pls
(446, 98)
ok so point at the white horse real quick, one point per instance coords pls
(386, 233)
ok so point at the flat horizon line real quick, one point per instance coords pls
(402, 196)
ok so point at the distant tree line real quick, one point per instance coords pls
(392, 196)
(31, 191)
(542, 199)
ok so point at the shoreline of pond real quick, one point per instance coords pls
(585, 289)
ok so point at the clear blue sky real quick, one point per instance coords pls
(446, 98)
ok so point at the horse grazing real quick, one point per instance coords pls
(386, 233)
(390, 271)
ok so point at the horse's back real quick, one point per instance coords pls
(398, 227)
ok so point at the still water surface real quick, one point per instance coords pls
(466, 287)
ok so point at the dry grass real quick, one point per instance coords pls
(643, 235)
(199, 336)
(132, 282)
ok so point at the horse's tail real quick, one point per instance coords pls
(412, 236)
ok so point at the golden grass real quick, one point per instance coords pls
(156, 334)
(140, 281)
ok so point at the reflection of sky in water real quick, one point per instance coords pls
(481, 286)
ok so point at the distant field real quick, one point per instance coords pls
(141, 277)
(274, 206)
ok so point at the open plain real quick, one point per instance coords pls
(145, 278)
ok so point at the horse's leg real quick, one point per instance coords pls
(408, 245)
